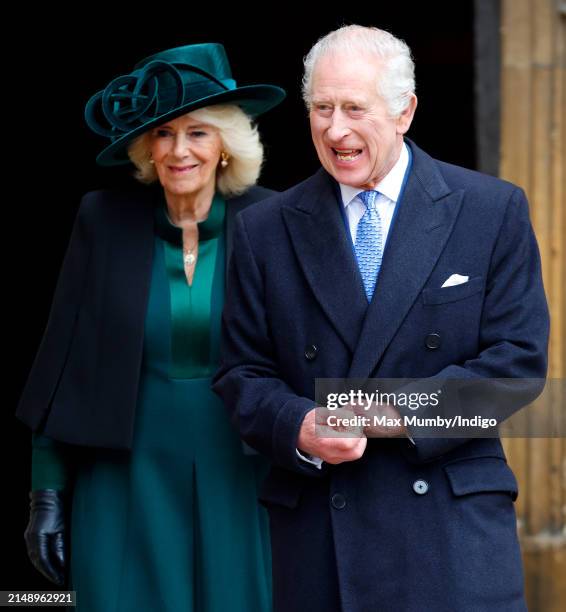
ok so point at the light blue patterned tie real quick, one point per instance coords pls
(369, 242)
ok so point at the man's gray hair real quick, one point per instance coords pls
(396, 81)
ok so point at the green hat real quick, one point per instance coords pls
(167, 85)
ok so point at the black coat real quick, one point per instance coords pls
(83, 385)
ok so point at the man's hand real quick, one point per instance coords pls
(383, 421)
(332, 444)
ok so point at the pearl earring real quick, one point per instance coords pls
(225, 157)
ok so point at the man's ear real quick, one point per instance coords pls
(405, 119)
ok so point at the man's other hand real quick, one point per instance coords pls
(342, 442)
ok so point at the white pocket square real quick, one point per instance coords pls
(455, 279)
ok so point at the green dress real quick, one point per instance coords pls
(174, 525)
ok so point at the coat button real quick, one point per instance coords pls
(432, 341)
(420, 487)
(338, 501)
(311, 351)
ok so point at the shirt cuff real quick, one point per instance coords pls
(316, 461)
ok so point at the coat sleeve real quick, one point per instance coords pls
(514, 332)
(51, 356)
(264, 409)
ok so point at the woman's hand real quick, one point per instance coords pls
(45, 534)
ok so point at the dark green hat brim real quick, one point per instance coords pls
(252, 99)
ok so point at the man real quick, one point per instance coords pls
(386, 263)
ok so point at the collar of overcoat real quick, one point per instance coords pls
(423, 223)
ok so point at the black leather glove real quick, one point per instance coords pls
(45, 534)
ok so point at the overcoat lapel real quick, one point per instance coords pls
(424, 222)
(325, 255)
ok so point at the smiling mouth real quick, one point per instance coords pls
(347, 154)
(180, 169)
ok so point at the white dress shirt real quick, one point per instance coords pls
(389, 189)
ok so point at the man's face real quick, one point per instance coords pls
(356, 139)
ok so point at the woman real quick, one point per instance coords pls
(164, 511)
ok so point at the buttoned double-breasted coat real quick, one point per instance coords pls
(423, 527)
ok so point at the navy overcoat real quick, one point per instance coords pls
(428, 527)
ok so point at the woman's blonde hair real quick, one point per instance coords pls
(240, 139)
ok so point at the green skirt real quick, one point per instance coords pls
(175, 524)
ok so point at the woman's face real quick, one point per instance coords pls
(186, 153)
